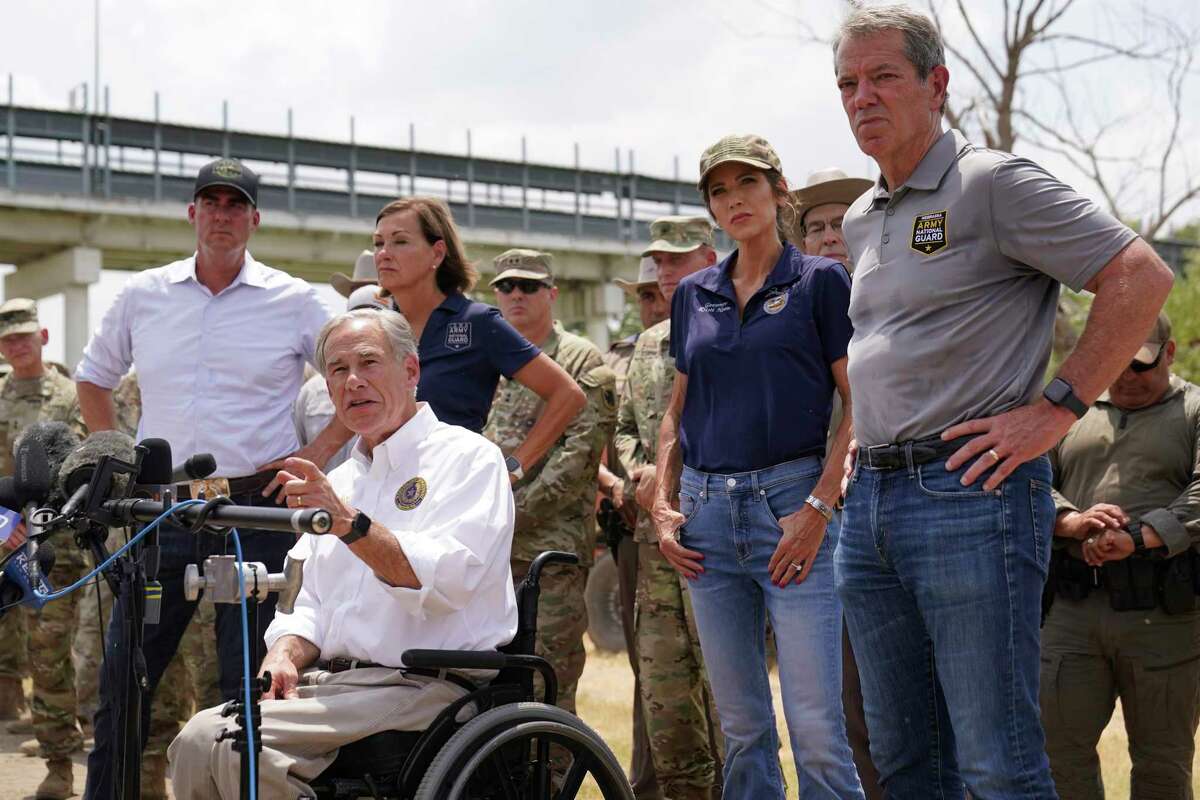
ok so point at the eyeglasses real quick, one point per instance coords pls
(526, 285)
(1138, 366)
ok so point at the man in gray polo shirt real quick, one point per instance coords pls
(959, 253)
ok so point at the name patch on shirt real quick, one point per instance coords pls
(929, 232)
(776, 301)
(458, 336)
(715, 308)
(410, 495)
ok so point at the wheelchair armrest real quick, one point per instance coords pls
(484, 659)
(454, 659)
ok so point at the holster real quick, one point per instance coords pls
(612, 525)
(1073, 578)
(1177, 583)
(1131, 584)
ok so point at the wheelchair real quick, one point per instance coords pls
(503, 751)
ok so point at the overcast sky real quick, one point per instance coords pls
(662, 78)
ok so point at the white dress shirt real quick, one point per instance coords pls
(457, 537)
(218, 373)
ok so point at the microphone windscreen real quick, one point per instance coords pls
(200, 466)
(58, 440)
(78, 467)
(156, 463)
(31, 474)
(10, 498)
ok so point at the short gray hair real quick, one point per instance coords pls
(393, 324)
(922, 41)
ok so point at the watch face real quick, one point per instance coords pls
(511, 463)
(1058, 390)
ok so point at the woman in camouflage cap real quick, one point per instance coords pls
(759, 342)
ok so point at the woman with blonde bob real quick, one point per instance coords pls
(463, 346)
(743, 495)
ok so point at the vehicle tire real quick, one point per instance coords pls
(492, 757)
(603, 597)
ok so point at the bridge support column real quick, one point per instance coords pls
(604, 302)
(69, 273)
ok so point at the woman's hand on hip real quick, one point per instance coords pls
(793, 558)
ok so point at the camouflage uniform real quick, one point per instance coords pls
(554, 500)
(677, 703)
(50, 398)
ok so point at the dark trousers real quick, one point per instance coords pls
(178, 549)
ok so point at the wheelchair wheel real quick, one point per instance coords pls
(503, 754)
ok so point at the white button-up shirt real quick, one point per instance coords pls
(218, 373)
(443, 492)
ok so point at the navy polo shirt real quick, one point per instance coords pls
(464, 349)
(759, 388)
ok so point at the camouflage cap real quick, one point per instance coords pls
(745, 149)
(679, 235)
(19, 315)
(647, 276)
(1160, 334)
(518, 263)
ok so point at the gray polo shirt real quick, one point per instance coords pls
(956, 285)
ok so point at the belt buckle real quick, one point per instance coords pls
(340, 664)
(208, 488)
(871, 450)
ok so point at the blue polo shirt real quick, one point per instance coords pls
(464, 349)
(759, 388)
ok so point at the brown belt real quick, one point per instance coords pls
(237, 486)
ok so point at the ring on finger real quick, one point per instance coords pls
(995, 456)
(797, 565)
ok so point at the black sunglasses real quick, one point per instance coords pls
(526, 285)
(1138, 366)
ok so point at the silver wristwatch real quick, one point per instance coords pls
(821, 506)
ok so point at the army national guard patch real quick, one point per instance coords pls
(929, 232)
(458, 336)
(410, 495)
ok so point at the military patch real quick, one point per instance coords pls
(610, 399)
(410, 495)
(929, 233)
(227, 168)
(458, 336)
(775, 302)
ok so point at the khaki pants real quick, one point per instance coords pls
(1091, 655)
(301, 737)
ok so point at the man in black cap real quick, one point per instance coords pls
(219, 342)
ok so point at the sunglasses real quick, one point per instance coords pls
(526, 285)
(1138, 366)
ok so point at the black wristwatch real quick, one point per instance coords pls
(1134, 529)
(358, 529)
(1061, 393)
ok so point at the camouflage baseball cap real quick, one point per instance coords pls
(647, 276)
(1160, 334)
(679, 235)
(745, 149)
(518, 263)
(19, 315)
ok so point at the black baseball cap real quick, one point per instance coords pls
(228, 172)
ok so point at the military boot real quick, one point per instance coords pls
(12, 698)
(154, 776)
(59, 784)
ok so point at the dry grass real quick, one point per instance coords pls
(606, 692)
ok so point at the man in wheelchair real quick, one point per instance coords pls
(418, 558)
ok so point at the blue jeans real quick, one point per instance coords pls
(733, 521)
(942, 587)
(178, 549)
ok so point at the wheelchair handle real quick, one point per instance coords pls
(549, 557)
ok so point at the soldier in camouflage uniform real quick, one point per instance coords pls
(35, 393)
(676, 701)
(553, 497)
(616, 486)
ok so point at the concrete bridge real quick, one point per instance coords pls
(81, 192)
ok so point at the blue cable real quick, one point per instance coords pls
(237, 546)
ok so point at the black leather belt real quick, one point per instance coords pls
(237, 486)
(341, 664)
(915, 452)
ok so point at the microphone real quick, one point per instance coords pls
(55, 440)
(155, 468)
(22, 574)
(298, 520)
(196, 468)
(75, 475)
(32, 477)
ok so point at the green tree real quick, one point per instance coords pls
(1183, 307)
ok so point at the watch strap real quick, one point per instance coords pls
(1062, 393)
(1134, 529)
(358, 529)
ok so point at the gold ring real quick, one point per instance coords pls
(995, 456)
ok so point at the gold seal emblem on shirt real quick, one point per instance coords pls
(775, 303)
(410, 495)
